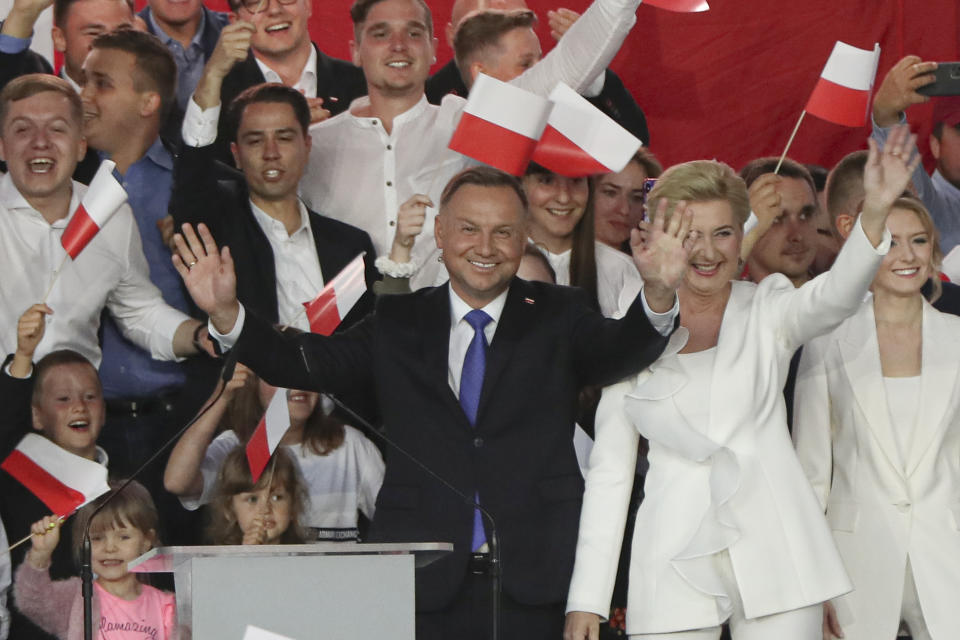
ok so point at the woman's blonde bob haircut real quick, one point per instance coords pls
(701, 181)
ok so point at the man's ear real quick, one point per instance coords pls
(935, 146)
(150, 104)
(844, 224)
(476, 68)
(3, 156)
(438, 232)
(355, 53)
(236, 155)
(37, 425)
(59, 39)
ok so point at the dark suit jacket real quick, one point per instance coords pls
(204, 191)
(519, 458)
(614, 100)
(338, 82)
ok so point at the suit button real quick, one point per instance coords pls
(903, 506)
(478, 442)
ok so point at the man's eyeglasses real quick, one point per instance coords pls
(259, 6)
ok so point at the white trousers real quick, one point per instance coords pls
(798, 624)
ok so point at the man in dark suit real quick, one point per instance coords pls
(269, 42)
(497, 421)
(284, 252)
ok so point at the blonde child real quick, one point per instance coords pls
(265, 512)
(123, 607)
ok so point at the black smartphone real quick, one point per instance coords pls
(947, 81)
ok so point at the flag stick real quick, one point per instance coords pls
(293, 320)
(790, 141)
(273, 466)
(53, 281)
(50, 527)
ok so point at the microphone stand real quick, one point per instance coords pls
(493, 541)
(86, 569)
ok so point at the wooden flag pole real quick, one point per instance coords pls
(53, 281)
(50, 527)
(790, 141)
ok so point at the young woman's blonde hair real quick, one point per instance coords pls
(701, 181)
(234, 478)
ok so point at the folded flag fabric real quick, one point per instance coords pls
(63, 481)
(842, 94)
(256, 633)
(104, 196)
(500, 125)
(680, 6)
(266, 437)
(580, 140)
(333, 303)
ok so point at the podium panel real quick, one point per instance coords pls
(334, 591)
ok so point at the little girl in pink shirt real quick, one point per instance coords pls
(123, 607)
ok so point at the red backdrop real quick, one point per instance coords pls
(730, 83)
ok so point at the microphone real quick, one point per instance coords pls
(86, 569)
(493, 542)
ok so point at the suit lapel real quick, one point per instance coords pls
(860, 352)
(940, 363)
(518, 314)
(434, 320)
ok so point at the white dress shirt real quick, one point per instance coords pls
(307, 84)
(360, 175)
(111, 271)
(296, 263)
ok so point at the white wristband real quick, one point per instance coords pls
(388, 267)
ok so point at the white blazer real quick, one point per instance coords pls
(732, 484)
(883, 511)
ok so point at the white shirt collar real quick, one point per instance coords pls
(374, 121)
(266, 221)
(308, 76)
(13, 200)
(459, 308)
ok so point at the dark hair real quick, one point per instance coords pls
(154, 67)
(61, 8)
(361, 8)
(133, 506)
(845, 185)
(41, 370)
(583, 259)
(33, 83)
(234, 478)
(788, 169)
(269, 93)
(645, 158)
(481, 32)
(484, 177)
(819, 175)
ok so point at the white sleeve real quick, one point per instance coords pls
(227, 340)
(136, 303)
(824, 302)
(585, 50)
(662, 322)
(216, 453)
(371, 466)
(606, 499)
(812, 430)
(199, 125)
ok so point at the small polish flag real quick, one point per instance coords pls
(63, 481)
(500, 125)
(266, 437)
(256, 633)
(104, 196)
(842, 94)
(580, 140)
(680, 6)
(333, 303)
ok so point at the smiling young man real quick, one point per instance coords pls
(284, 252)
(400, 140)
(478, 378)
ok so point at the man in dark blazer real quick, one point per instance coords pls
(271, 150)
(503, 432)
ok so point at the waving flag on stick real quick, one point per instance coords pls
(104, 196)
(500, 125)
(63, 481)
(580, 140)
(334, 302)
(266, 437)
(680, 6)
(842, 93)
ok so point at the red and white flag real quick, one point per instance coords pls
(104, 196)
(500, 125)
(580, 140)
(63, 481)
(680, 6)
(842, 94)
(266, 437)
(333, 303)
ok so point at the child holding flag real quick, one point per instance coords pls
(125, 607)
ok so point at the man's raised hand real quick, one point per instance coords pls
(208, 274)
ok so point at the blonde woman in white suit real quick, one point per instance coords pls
(877, 429)
(729, 528)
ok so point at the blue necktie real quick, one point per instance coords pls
(471, 384)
